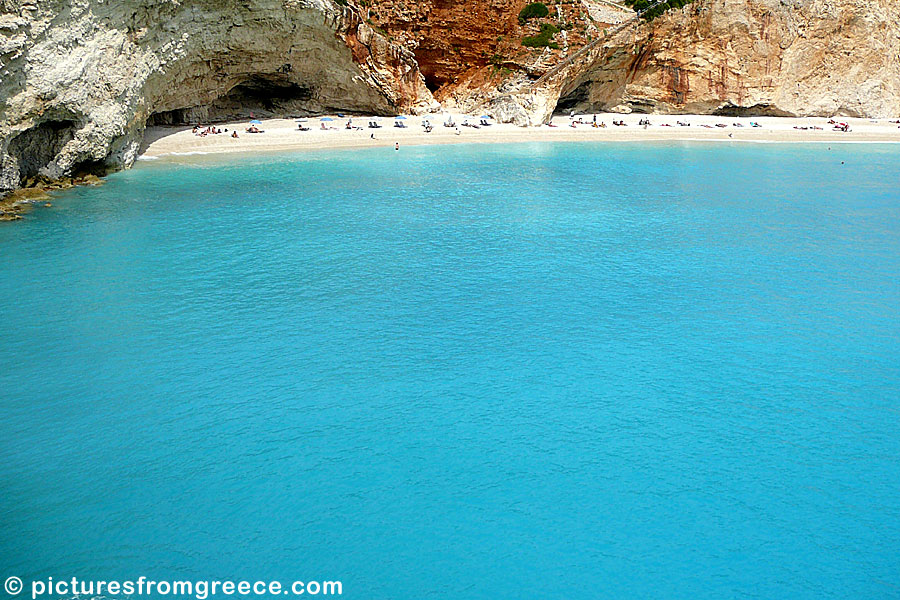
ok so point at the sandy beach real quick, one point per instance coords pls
(284, 134)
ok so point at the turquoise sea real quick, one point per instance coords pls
(571, 371)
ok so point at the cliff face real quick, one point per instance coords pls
(800, 57)
(79, 79)
(449, 38)
(471, 52)
(730, 57)
(778, 57)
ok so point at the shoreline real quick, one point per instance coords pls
(283, 134)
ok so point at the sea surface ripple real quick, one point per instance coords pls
(517, 371)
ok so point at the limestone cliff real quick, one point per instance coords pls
(79, 79)
(471, 52)
(804, 57)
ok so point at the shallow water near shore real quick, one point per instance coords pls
(496, 371)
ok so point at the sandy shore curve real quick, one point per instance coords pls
(284, 134)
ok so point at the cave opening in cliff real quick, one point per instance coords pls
(178, 116)
(265, 96)
(433, 82)
(37, 147)
(90, 167)
(577, 99)
(432, 68)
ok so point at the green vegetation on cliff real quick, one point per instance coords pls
(544, 39)
(535, 10)
(653, 8)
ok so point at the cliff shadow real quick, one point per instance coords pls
(37, 147)
(265, 96)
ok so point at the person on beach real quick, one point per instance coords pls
(396, 145)
(234, 134)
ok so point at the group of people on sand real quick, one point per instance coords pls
(574, 123)
(644, 122)
(205, 131)
(201, 131)
(845, 127)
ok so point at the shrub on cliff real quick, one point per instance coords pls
(653, 8)
(544, 39)
(535, 10)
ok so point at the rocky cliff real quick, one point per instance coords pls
(799, 57)
(80, 79)
(731, 57)
(472, 52)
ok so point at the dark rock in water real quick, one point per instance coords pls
(28, 195)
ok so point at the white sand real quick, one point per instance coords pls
(283, 134)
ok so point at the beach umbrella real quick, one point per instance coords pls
(484, 117)
(326, 119)
(256, 122)
(400, 118)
